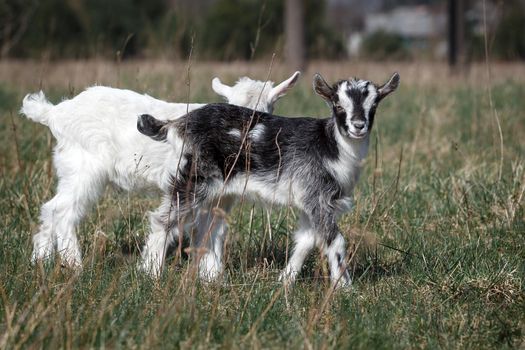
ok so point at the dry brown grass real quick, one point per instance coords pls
(79, 74)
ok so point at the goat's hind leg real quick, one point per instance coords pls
(160, 237)
(44, 238)
(79, 185)
(167, 222)
(211, 229)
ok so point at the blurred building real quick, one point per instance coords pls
(420, 27)
(411, 22)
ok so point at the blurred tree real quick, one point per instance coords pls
(113, 24)
(221, 29)
(509, 41)
(49, 26)
(456, 35)
(505, 30)
(14, 16)
(79, 28)
(239, 29)
(244, 29)
(294, 27)
(381, 45)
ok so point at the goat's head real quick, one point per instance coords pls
(354, 102)
(254, 94)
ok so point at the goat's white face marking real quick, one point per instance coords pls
(355, 107)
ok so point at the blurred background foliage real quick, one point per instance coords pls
(226, 30)
(229, 29)
(509, 39)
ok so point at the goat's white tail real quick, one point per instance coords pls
(36, 107)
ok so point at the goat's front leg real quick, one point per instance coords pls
(304, 241)
(334, 247)
(336, 253)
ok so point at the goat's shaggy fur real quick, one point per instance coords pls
(223, 150)
(97, 143)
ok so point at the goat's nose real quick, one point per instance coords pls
(358, 125)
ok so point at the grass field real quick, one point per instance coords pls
(438, 227)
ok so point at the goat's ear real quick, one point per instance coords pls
(322, 88)
(154, 128)
(389, 86)
(281, 89)
(221, 89)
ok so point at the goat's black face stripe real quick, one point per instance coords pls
(371, 115)
(341, 119)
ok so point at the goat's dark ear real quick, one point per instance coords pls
(154, 128)
(322, 88)
(389, 86)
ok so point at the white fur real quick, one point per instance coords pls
(98, 142)
(235, 133)
(257, 132)
(254, 135)
(347, 168)
(249, 93)
(36, 107)
(305, 240)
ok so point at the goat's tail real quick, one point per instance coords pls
(36, 107)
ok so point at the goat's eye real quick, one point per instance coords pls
(339, 109)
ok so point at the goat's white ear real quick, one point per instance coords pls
(154, 128)
(220, 88)
(322, 88)
(281, 89)
(389, 86)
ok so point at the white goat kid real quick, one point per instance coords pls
(312, 164)
(98, 142)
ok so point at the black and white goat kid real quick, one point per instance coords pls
(312, 164)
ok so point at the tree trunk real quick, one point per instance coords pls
(456, 35)
(294, 34)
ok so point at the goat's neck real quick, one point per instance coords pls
(346, 168)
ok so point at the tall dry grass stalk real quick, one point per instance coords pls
(489, 88)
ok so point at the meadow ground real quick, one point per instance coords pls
(438, 227)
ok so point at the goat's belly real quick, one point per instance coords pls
(281, 193)
(129, 182)
(130, 176)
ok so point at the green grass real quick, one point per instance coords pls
(440, 238)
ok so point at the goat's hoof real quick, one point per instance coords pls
(40, 258)
(287, 278)
(69, 262)
(42, 254)
(343, 284)
(210, 268)
(149, 269)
